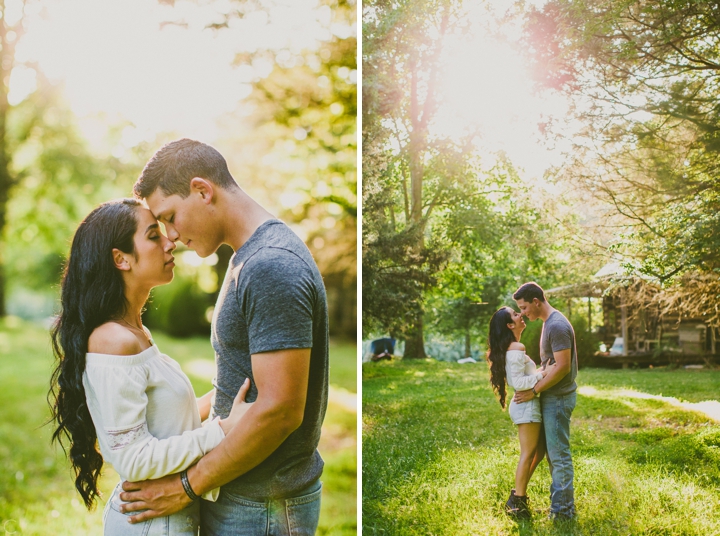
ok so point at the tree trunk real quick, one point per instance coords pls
(5, 185)
(414, 343)
(7, 57)
(420, 114)
(467, 343)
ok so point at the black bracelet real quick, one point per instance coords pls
(186, 486)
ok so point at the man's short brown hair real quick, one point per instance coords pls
(173, 167)
(529, 291)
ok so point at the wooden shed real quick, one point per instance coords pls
(634, 328)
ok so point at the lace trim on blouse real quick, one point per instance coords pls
(119, 439)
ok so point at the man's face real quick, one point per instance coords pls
(531, 310)
(186, 220)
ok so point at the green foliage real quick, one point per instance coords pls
(59, 181)
(440, 231)
(531, 339)
(395, 276)
(311, 104)
(586, 341)
(405, 185)
(460, 316)
(644, 80)
(179, 309)
(439, 455)
(299, 150)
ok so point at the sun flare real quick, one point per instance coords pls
(488, 94)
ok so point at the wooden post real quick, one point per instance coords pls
(712, 339)
(623, 325)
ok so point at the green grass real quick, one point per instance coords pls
(343, 366)
(37, 496)
(439, 454)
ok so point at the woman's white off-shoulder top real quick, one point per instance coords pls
(521, 372)
(145, 414)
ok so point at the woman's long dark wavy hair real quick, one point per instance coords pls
(499, 339)
(92, 293)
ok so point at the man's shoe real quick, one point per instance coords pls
(517, 506)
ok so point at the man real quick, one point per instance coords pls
(558, 388)
(270, 325)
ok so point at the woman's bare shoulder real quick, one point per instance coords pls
(113, 339)
(516, 346)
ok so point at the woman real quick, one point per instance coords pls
(111, 384)
(508, 362)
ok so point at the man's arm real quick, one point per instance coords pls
(281, 378)
(555, 373)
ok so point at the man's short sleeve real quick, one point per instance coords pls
(276, 295)
(561, 336)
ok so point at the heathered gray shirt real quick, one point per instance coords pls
(558, 334)
(273, 298)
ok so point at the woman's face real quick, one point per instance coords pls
(517, 320)
(152, 264)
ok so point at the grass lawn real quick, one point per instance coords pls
(37, 496)
(439, 454)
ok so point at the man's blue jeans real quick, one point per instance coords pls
(240, 516)
(556, 412)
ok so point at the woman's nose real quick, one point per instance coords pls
(170, 245)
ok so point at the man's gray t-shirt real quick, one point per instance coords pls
(273, 298)
(558, 334)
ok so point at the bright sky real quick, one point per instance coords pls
(487, 89)
(120, 60)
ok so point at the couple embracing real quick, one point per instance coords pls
(218, 463)
(544, 399)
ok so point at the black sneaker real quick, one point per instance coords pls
(517, 506)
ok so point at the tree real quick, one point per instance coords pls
(10, 30)
(58, 181)
(644, 80)
(313, 106)
(439, 230)
(401, 50)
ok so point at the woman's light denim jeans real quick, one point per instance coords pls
(233, 515)
(556, 412)
(115, 523)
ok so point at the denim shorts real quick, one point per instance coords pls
(115, 523)
(233, 515)
(525, 412)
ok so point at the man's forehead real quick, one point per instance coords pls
(157, 202)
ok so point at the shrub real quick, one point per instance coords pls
(531, 339)
(178, 309)
(587, 342)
